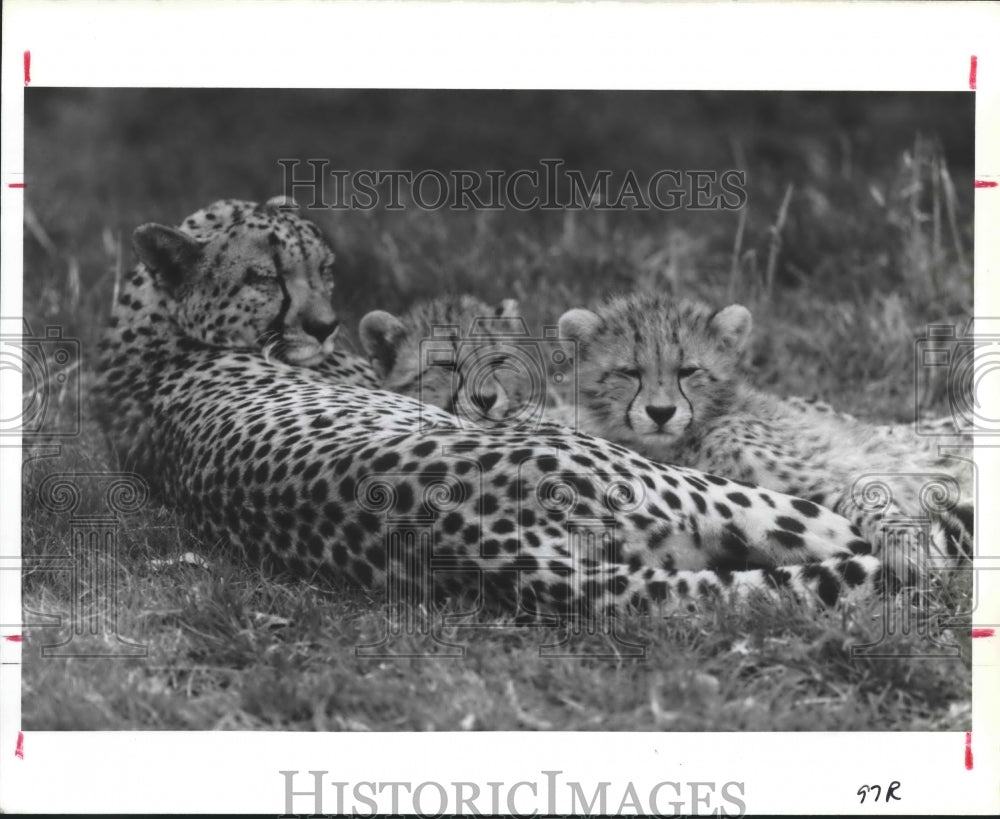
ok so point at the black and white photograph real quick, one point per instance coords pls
(573, 411)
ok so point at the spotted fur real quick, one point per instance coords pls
(286, 465)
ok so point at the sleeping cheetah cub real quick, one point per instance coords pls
(469, 358)
(663, 377)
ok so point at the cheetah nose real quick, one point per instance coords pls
(483, 401)
(660, 415)
(319, 329)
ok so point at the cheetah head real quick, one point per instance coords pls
(260, 281)
(650, 370)
(453, 353)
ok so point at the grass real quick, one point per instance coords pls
(857, 233)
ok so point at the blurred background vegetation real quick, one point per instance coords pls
(874, 240)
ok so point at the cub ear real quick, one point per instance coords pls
(732, 325)
(170, 254)
(507, 318)
(579, 324)
(381, 335)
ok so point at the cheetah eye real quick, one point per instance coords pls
(685, 372)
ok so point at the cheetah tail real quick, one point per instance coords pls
(821, 584)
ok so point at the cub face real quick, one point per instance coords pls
(265, 281)
(435, 354)
(652, 370)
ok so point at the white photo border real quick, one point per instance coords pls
(683, 46)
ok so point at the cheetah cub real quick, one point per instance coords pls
(663, 377)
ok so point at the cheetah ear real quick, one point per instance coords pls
(282, 202)
(167, 252)
(732, 325)
(381, 335)
(579, 325)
